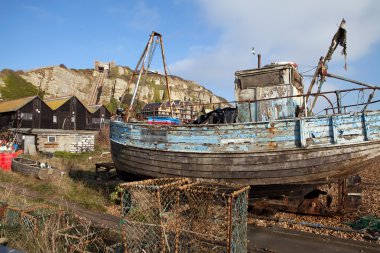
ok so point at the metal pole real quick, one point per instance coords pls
(317, 71)
(338, 101)
(133, 74)
(259, 61)
(349, 80)
(166, 72)
(322, 62)
(140, 74)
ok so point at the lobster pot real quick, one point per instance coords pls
(79, 238)
(143, 237)
(35, 218)
(146, 210)
(183, 215)
(111, 241)
(212, 217)
(12, 218)
(3, 209)
(150, 201)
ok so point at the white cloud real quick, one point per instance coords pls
(295, 30)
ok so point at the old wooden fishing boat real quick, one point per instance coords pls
(31, 168)
(275, 138)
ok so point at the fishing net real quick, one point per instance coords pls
(370, 223)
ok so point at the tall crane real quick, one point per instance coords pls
(143, 67)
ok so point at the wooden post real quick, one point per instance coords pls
(341, 194)
(229, 226)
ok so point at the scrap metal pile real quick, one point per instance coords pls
(180, 215)
(362, 224)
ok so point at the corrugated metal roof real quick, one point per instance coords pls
(15, 104)
(55, 103)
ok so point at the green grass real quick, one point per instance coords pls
(73, 156)
(65, 187)
(41, 188)
(17, 87)
(86, 197)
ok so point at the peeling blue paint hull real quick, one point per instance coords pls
(299, 150)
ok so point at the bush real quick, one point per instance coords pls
(112, 105)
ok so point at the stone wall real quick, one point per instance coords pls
(52, 140)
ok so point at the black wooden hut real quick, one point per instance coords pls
(99, 117)
(68, 113)
(28, 112)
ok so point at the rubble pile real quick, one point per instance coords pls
(337, 225)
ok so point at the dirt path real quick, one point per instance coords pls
(98, 218)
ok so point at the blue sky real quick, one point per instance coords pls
(205, 40)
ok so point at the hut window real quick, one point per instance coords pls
(51, 139)
(26, 116)
(95, 120)
(54, 118)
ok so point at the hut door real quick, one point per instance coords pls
(73, 113)
(102, 116)
(36, 113)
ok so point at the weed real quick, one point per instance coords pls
(86, 196)
(72, 156)
(116, 195)
(5, 176)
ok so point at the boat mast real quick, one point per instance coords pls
(338, 39)
(147, 53)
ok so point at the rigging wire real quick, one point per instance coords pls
(306, 71)
(360, 96)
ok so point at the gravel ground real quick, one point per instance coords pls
(370, 206)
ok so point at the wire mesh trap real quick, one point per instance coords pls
(3, 208)
(87, 238)
(35, 218)
(12, 217)
(78, 238)
(212, 217)
(178, 215)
